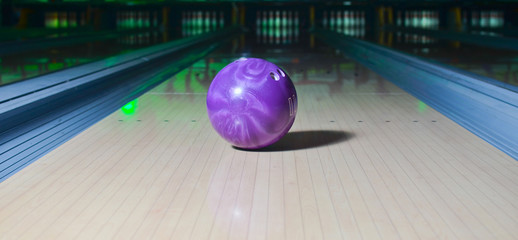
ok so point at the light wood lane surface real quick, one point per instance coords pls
(364, 160)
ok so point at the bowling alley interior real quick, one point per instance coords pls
(220, 119)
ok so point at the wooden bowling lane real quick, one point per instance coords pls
(364, 160)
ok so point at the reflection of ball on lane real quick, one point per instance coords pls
(252, 103)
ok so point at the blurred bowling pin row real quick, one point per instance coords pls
(351, 23)
(136, 19)
(276, 27)
(64, 19)
(144, 38)
(414, 38)
(337, 19)
(197, 22)
(418, 19)
(487, 19)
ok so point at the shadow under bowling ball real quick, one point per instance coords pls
(304, 140)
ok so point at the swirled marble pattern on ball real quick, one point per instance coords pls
(252, 103)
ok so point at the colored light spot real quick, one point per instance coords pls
(130, 108)
(421, 106)
(179, 85)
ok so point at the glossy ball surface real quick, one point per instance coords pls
(252, 103)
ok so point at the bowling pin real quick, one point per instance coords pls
(271, 25)
(207, 21)
(290, 19)
(347, 20)
(125, 21)
(193, 23)
(425, 21)
(296, 26)
(196, 23)
(484, 19)
(339, 21)
(265, 26)
(200, 22)
(417, 19)
(290, 27)
(284, 25)
(284, 20)
(131, 19)
(474, 19)
(277, 19)
(72, 19)
(296, 20)
(348, 27)
(214, 21)
(432, 21)
(277, 27)
(429, 19)
(55, 20)
(64, 20)
(221, 20)
(47, 20)
(493, 22)
(140, 19)
(332, 21)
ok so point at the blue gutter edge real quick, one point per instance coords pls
(41, 119)
(487, 110)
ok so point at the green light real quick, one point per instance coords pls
(30, 67)
(55, 66)
(130, 108)
(421, 106)
(179, 84)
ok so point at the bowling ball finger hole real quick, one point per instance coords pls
(281, 73)
(274, 76)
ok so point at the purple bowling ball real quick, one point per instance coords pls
(252, 103)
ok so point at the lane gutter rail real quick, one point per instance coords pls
(473, 101)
